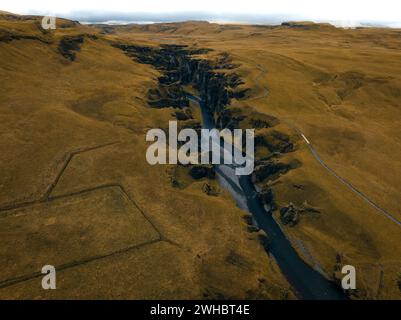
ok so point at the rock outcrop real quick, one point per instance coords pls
(179, 68)
(69, 45)
(289, 215)
(202, 171)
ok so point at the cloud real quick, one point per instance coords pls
(368, 10)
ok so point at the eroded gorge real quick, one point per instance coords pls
(216, 84)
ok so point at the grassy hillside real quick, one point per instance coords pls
(72, 160)
(340, 88)
(72, 130)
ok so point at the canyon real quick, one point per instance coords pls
(78, 193)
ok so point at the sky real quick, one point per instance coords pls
(388, 11)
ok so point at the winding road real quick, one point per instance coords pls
(345, 182)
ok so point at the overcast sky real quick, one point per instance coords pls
(351, 10)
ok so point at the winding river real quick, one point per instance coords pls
(307, 283)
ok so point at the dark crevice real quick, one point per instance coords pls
(180, 68)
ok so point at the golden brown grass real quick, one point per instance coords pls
(340, 87)
(76, 130)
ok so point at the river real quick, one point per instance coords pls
(307, 283)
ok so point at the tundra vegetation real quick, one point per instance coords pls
(77, 192)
